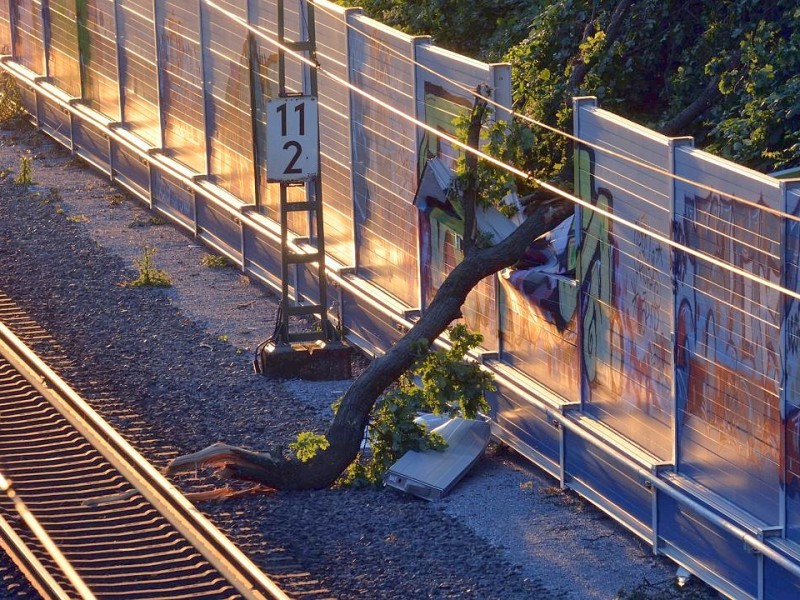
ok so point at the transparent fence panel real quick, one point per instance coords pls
(5, 28)
(728, 330)
(29, 34)
(334, 132)
(181, 79)
(139, 72)
(440, 101)
(98, 50)
(791, 367)
(384, 165)
(226, 60)
(63, 59)
(626, 284)
(264, 18)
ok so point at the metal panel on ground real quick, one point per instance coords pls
(432, 474)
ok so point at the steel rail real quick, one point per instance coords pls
(201, 534)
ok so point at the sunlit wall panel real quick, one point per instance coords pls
(139, 72)
(384, 165)
(728, 332)
(440, 100)
(791, 366)
(227, 77)
(64, 63)
(5, 27)
(334, 132)
(97, 43)
(264, 18)
(182, 82)
(29, 34)
(626, 284)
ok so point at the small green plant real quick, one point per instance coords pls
(307, 444)
(59, 210)
(10, 102)
(222, 338)
(25, 175)
(215, 261)
(4, 173)
(441, 382)
(149, 275)
(115, 200)
(78, 219)
(53, 195)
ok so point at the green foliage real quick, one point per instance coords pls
(10, 102)
(474, 28)
(667, 52)
(25, 175)
(215, 261)
(307, 444)
(149, 275)
(441, 382)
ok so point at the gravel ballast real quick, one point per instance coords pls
(181, 359)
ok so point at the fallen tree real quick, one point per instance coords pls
(277, 468)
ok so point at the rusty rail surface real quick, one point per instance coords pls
(84, 515)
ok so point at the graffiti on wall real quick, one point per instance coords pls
(538, 312)
(626, 307)
(734, 366)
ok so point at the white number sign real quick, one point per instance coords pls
(292, 138)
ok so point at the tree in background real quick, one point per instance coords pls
(724, 71)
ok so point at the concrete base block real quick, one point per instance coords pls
(313, 362)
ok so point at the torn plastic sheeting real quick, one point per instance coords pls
(432, 474)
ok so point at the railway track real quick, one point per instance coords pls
(83, 514)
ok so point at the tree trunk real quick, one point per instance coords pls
(347, 429)
(681, 122)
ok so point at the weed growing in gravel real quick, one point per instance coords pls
(141, 221)
(25, 175)
(59, 210)
(215, 261)
(74, 161)
(78, 219)
(115, 200)
(149, 275)
(308, 444)
(4, 173)
(10, 102)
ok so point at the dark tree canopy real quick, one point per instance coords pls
(724, 71)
